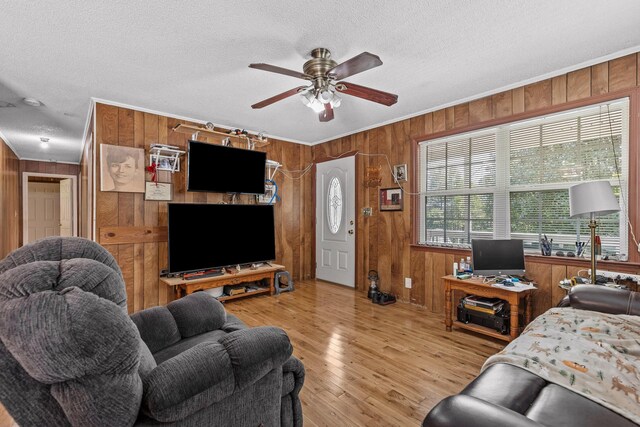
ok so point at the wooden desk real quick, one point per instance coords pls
(476, 287)
(183, 287)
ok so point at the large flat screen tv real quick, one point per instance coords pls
(217, 168)
(497, 257)
(205, 236)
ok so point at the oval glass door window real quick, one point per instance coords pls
(334, 205)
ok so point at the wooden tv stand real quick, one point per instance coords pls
(183, 287)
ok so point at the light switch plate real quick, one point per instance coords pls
(366, 211)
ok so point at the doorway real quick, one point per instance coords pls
(49, 206)
(335, 221)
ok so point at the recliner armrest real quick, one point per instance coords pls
(256, 351)
(294, 366)
(463, 410)
(188, 382)
(604, 299)
(210, 372)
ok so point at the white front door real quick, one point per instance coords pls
(335, 221)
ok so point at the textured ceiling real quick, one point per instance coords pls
(190, 59)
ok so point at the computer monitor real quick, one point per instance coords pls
(497, 257)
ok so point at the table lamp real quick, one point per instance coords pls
(588, 199)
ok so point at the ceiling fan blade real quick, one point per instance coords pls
(367, 93)
(280, 70)
(278, 97)
(355, 65)
(327, 114)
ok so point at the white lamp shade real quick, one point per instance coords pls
(594, 197)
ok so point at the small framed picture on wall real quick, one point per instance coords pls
(390, 199)
(400, 173)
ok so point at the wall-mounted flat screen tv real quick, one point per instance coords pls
(497, 257)
(217, 168)
(206, 236)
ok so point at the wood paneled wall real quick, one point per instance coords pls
(10, 211)
(384, 239)
(141, 262)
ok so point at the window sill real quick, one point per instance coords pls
(619, 266)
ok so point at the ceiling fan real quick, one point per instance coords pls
(325, 76)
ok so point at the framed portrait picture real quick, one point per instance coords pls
(400, 173)
(158, 191)
(121, 169)
(390, 199)
(165, 163)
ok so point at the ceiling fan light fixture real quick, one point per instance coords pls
(307, 97)
(317, 106)
(336, 100)
(325, 96)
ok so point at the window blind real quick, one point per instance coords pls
(458, 175)
(550, 154)
(512, 181)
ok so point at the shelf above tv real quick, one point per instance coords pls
(191, 129)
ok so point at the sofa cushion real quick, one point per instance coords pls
(551, 408)
(506, 385)
(157, 328)
(233, 324)
(197, 313)
(185, 344)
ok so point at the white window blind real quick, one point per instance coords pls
(512, 181)
(550, 154)
(459, 176)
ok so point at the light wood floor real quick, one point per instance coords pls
(366, 364)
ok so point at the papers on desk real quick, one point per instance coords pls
(517, 286)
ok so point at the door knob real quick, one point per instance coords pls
(350, 231)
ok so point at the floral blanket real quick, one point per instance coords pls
(593, 354)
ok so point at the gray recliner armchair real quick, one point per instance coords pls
(71, 355)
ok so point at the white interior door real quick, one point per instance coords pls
(66, 207)
(44, 210)
(335, 221)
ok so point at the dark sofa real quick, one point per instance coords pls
(71, 355)
(507, 395)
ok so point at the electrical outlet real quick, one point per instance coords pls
(407, 282)
(617, 276)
